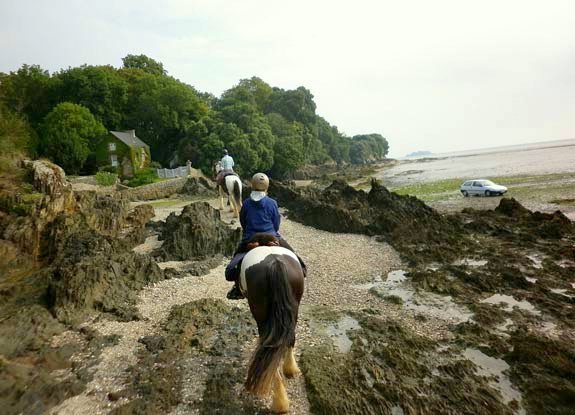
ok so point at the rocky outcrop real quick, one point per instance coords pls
(197, 233)
(47, 177)
(30, 213)
(93, 273)
(404, 221)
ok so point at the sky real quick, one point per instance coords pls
(442, 75)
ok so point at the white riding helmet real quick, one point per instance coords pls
(260, 182)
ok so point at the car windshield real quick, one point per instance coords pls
(486, 182)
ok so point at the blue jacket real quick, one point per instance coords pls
(262, 216)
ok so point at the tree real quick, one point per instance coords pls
(293, 105)
(101, 89)
(368, 147)
(27, 92)
(68, 134)
(15, 142)
(288, 155)
(144, 63)
(163, 110)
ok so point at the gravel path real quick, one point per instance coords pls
(337, 264)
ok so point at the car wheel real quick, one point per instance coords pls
(487, 193)
(465, 194)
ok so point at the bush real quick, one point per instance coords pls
(145, 176)
(104, 178)
(155, 165)
(68, 134)
(109, 169)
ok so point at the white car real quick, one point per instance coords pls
(481, 188)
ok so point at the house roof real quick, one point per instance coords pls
(129, 138)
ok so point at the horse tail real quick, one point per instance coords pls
(237, 192)
(277, 333)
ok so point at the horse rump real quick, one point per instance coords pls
(277, 332)
(237, 194)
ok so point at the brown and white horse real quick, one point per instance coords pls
(272, 280)
(232, 187)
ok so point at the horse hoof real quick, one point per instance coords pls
(290, 373)
(281, 408)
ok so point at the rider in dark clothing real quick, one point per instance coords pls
(259, 214)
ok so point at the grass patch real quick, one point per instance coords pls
(543, 188)
(429, 188)
(104, 178)
(146, 176)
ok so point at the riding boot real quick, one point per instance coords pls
(235, 293)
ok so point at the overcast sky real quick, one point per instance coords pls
(441, 75)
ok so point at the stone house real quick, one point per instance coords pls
(123, 151)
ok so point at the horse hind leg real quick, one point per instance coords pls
(236, 208)
(290, 366)
(280, 401)
(222, 194)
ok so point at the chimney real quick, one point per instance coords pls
(133, 132)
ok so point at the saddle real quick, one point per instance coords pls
(259, 239)
(222, 177)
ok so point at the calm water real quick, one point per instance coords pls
(528, 159)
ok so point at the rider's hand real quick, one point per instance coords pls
(253, 245)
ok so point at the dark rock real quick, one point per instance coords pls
(415, 229)
(114, 396)
(197, 233)
(512, 208)
(27, 330)
(92, 274)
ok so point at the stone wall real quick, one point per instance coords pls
(187, 185)
(153, 191)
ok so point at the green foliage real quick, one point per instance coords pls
(288, 156)
(367, 147)
(109, 169)
(144, 63)
(101, 89)
(163, 111)
(145, 176)
(68, 134)
(15, 142)
(106, 179)
(265, 128)
(27, 92)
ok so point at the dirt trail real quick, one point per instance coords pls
(336, 262)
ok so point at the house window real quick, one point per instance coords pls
(112, 146)
(114, 160)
